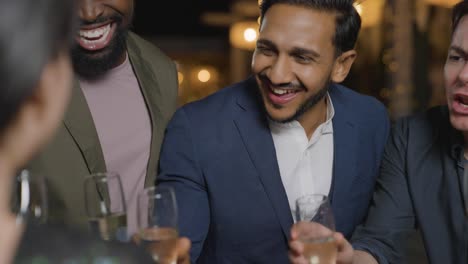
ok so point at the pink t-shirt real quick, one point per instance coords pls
(124, 129)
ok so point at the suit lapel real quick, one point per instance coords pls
(150, 89)
(79, 123)
(255, 133)
(345, 136)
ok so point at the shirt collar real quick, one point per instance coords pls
(328, 126)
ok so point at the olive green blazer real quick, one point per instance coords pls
(75, 151)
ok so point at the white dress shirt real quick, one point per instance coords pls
(305, 165)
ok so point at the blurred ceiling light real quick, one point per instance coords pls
(250, 35)
(444, 3)
(243, 35)
(204, 75)
(371, 12)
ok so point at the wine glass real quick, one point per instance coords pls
(105, 206)
(30, 199)
(157, 222)
(315, 228)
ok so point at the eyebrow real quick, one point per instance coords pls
(302, 51)
(459, 50)
(266, 42)
(295, 50)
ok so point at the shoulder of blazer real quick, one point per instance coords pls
(152, 65)
(147, 50)
(158, 62)
(362, 109)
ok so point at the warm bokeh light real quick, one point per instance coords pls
(243, 35)
(358, 8)
(250, 35)
(180, 77)
(371, 12)
(204, 75)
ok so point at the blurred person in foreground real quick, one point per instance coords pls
(36, 75)
(421, 178)
(124, 93)
(239, 158)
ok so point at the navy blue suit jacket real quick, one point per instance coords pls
(219, 156)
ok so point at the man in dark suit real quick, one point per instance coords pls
(239, 158)
(422, 182)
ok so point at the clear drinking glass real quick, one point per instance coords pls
(30, 198)
(157, 222)
(316, 226)
(105, 206)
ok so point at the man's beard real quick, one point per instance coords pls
(93, 64)
(303, 108)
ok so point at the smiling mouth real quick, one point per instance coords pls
(96, 38)
(462, 100)
(283, 92)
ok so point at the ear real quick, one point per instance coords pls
(342, 65)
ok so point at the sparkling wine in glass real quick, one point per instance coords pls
(105, 206)
(316, 226)
(157, 222)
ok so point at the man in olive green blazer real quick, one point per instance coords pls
(76, 151)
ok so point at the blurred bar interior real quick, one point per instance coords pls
(401, 48)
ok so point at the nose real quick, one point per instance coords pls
(90, 10)
(463, 74)
(280, 71)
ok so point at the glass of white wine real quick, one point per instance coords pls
(105, 206)
(316, 226)
(157, 221)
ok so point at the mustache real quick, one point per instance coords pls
(290, 85)
(117, 18)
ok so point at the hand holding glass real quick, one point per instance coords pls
(315, 228)
(157, 220)
(105, 206)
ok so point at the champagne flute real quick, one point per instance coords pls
(316, 227)
(30, 200)
(105, 206)
(157, 221)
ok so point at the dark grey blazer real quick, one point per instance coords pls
(420, 185)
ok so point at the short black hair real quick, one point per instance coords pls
(32, 32)
(459, 11)
(348, 21)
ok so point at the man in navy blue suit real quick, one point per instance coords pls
(239, 158)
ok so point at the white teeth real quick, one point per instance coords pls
(281, 91)
(100, 33)
(464, 105)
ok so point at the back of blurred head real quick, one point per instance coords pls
(35, 74)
